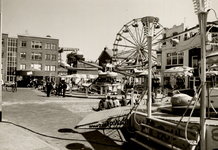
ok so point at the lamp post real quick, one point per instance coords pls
(149, 24)
(201, 7)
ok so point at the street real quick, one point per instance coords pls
(53, 119)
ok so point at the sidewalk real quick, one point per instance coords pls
(13, 137)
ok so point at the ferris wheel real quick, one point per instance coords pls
(130, 48)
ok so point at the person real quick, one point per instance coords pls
(49, 88)
(60, 89)
(102, 104)
(64, 88)
(123, 101)
(110, 102)
(56, 89)
(116, 102)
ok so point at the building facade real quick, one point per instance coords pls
(182, 47)
(29, 57)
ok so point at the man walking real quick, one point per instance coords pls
(64, 88)
(60, 89)
(49, 88)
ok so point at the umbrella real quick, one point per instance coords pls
(211, 73)
(90, 76)
(179, 71)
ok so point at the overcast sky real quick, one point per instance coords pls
(90, 25)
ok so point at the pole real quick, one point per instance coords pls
(202, 17)
(1, 3)
(149, 38)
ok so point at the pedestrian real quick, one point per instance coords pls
(64, 88)
(49, 88)
(60, 89)
(56, 89)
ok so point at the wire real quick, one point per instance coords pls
(59, 138)
(194, 98)
(214, 12)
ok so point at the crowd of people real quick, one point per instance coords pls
(57, 89)
(111, 102)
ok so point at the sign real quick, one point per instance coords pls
(29, 73)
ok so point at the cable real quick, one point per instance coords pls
(213, 11)
(194, 98)
(59, 138)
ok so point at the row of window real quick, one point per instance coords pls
(38, 56)
(38, 45)
(39, 67)
(175, 58)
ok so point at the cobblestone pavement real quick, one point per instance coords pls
(52, 119)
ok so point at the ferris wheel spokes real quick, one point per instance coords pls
(127, 39)
(132, 36)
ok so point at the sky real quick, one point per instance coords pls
(91, 25)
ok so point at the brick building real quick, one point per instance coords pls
(29, 57)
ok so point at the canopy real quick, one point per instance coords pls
(212, 58)
(179, 71)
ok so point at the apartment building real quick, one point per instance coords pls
(29, 57)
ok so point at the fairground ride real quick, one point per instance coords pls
(130, 50)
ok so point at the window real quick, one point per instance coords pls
(50, 46)
(36, 56)
(47, 57)
(52, 68)
(47, 68)
(53, 46)
(36, 45)
(22, 55)
(53, 57)
(22, 66)
(180, 58)
(47, 46)
(169, 59)
(23, 44)
(3, 42)
(36, 66)
(175, 58)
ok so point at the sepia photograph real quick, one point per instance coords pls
(109, 75)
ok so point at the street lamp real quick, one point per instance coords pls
(201, 8)
(149, 24)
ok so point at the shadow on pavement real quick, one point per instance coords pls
(67, 130)
(77, 146)
(101, 141)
